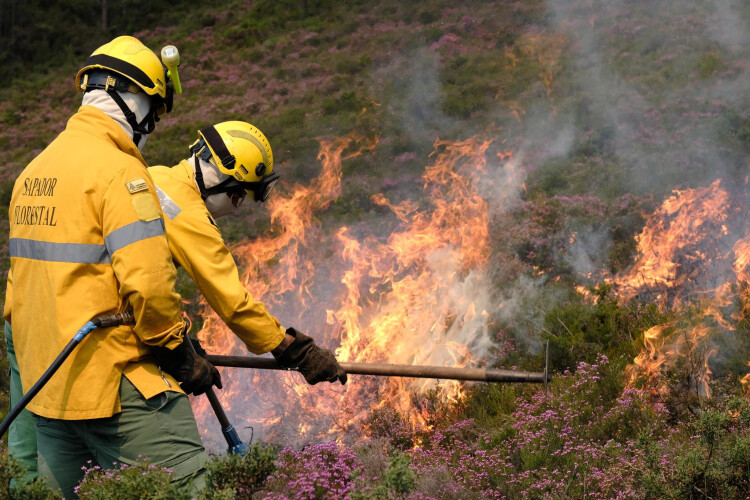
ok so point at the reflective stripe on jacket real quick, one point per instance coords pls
(86, 239)
(196, 245)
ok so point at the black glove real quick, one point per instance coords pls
(314, 363)
(195, 373)
(204, 376)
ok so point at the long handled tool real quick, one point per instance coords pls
(389, 370)
(98, 322)
(236, 446)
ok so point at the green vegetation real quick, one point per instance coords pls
(606, 109)
(240, 475)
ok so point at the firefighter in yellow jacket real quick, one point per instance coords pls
(229, 162)
(86, 239)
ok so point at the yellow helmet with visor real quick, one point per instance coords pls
(241, 151)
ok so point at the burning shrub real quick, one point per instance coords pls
(579, 331)
(711, 457)
(390, 425)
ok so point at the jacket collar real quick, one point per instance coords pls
(190, 174)
(93, 120)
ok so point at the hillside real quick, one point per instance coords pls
(460, 184)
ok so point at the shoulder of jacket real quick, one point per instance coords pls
(129, 173)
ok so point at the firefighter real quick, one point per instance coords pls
(229, 162)
(86, 239)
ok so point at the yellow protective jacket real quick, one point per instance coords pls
(197, 245)
(86, 239)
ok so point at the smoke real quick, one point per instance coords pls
(589, 251)
(522, 304)
(420, 105)
(729, 28)
(653, 85)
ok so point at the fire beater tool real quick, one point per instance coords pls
(236, 446)
(98, 322)
(390, 370)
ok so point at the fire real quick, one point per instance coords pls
(668, 241)
(413, 292)
(684, 267)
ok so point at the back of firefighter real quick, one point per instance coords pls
(86, 239)
(229, 162)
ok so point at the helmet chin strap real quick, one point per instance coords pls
(127, 112)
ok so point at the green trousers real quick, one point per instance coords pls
(161, 429)
(22, 432)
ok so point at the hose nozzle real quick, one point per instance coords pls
(113, 320)
(170, 56)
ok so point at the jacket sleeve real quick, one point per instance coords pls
(133, 231)
(197, 245)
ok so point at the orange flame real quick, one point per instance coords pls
(681, 266)
(684, 217)
(419, 296)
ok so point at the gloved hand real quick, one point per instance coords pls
(314, 363)
(204, 376)
(194, 372)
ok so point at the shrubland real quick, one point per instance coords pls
(608, 106)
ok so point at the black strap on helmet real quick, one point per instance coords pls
(146, 126)
(199, 176)
(106, 80)
(228, 185)
(260, 189)
(120, 66)
(202, 152)
(217, 145)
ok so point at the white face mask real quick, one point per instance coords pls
(219, 205)
(138, 103)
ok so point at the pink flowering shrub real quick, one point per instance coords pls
(581, 439)
(142, 480)
(317, 471)
(587, 437)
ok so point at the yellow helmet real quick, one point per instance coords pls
(128, 57)
(241, 151)
(126, 65)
